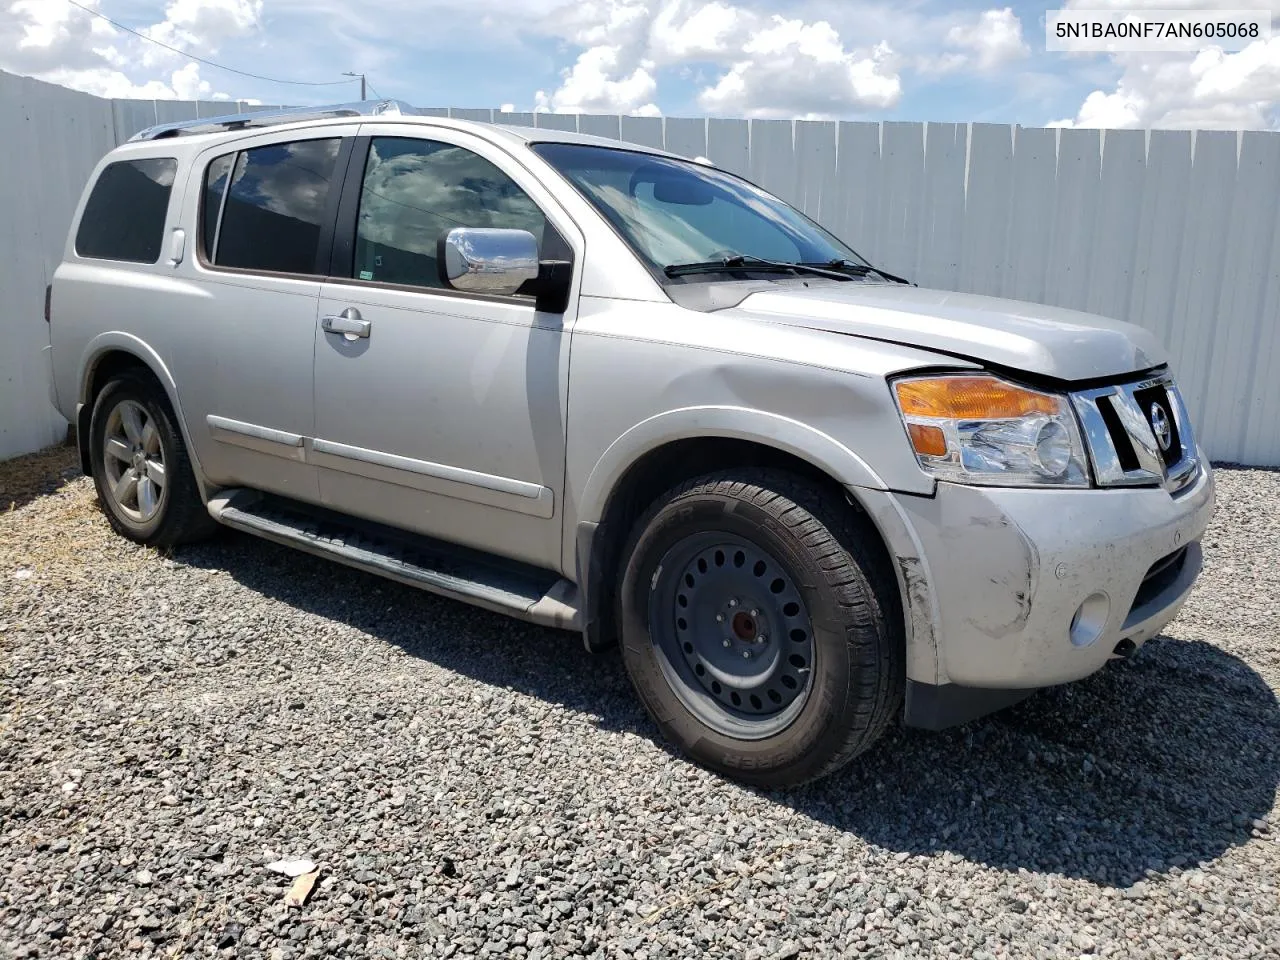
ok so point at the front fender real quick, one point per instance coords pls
(740, 423)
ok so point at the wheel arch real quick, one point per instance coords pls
(666, 450)
(110, 355)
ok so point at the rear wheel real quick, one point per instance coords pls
(759, 626)
(140, 465)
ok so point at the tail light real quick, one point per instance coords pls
(48, 303)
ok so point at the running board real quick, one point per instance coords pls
(515, 589)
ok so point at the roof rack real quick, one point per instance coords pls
(270, 118)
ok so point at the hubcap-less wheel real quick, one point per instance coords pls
(734, 634)
(134, 461)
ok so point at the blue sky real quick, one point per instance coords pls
(864, 59)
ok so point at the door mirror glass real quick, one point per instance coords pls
(487, 260)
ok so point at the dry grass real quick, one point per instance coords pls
(51, 527)
(22, 479)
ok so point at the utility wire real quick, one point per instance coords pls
(192, 56)
(373, 91)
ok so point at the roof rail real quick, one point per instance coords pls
(270, 118)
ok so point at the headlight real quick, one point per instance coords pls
(981, 429)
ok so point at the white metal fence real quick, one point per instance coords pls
(1172, 230)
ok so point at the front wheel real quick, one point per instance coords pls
(760, 627)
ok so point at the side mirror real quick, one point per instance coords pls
(487, 260)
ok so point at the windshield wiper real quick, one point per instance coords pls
(859, 270)
(755, 264)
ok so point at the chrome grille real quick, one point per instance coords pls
(1138, 434)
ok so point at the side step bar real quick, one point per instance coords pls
(518, 590)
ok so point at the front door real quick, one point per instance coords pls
(438, 411)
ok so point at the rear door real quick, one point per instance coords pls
(448, 417)
(263, 215)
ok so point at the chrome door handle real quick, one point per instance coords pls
(347, 323)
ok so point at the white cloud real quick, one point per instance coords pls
(795, 68)
(597, 83)
(682, 32)
(992, 40)
(758, 65)
(1208, 89)
(57, 42)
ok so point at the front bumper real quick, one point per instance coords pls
(994, 579)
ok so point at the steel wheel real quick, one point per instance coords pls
(734, 634)
(133, 460)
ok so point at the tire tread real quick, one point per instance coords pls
(835, 535)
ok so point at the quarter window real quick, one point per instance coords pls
(272, 201)
(124, 216)
(415, 191)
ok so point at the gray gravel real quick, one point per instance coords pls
(474, 786)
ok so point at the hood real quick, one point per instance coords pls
(1049, 341)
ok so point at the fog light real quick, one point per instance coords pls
(1090, 619)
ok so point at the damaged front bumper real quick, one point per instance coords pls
(1010, 590)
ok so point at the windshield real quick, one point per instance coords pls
(676, 212)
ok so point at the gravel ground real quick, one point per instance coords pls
(474, 786)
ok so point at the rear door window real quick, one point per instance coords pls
(124, 216)
(263, 208)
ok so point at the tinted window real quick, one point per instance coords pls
(215, 185)
(275, 204)
(416, 190)
(124, 216)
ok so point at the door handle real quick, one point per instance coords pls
(347, 323)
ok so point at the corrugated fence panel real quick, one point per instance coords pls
(942, 230)
(172, 111)
(132, 116)
(854, 208)
(1124, 161)
(1195, 328)
(901, 197)
(557, 121)
(1076, 204)
(600, 126)
(815, 163)
(984, 259)
(471, 113)
(61, 135)
(773, 158)
(1035, 158)
(1239, 317)
(643, 130)
(729, 145)
(1259, 441)
(27, 422)
(686, 136)
(1175, 231)
(1161, 229)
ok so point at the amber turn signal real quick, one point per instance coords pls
(971, 398)
(928, 440)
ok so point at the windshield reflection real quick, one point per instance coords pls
(678, 212)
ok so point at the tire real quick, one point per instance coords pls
(780, 588)
(159, 508)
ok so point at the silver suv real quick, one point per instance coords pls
(604, 388)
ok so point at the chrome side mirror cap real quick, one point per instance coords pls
(487, 260)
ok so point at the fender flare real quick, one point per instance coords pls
(689, 423)
(738, 423)
(117, 341)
